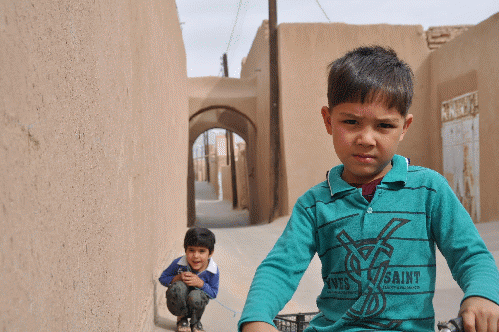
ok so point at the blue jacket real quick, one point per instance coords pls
(210, 276)
(378, 258)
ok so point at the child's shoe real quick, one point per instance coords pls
(198, 327)
(183, 325)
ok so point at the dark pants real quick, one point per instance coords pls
(186, 301)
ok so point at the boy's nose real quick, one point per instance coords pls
(366, 138)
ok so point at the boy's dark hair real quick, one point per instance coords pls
(200, 237)
(369, 74)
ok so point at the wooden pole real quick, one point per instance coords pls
(230, 145)
(233, 170)
(227, 134)
(226, 68)
(207, 155)
(274, 110)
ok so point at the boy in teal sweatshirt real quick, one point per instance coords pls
(375, 222)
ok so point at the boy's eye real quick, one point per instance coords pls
(350, 121)
(386, 125)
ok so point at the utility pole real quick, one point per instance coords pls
(207, 155)
(275, 144)
(226, 68)
(227, 151)
(230, 147)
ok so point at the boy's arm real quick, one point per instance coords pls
(169, 274)
(277, 277)
(210, 287)
(471, 264)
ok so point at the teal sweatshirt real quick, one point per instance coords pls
(378, 258)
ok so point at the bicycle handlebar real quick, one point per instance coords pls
(454, 325)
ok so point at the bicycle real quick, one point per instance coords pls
(298, 323)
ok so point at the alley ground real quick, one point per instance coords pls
(239, 250)
(214, 213)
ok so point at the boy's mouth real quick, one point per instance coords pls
(364, 157)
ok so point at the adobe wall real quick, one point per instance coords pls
(223, 91)
(305, 50)
(439, 35)
(465, 64)
(93, 142)
(241, 179)
(256, 65)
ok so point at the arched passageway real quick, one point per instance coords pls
(221, 179)
(231, 119)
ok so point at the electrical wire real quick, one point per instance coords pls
(323, 10)
(234, 26)
(234, 312)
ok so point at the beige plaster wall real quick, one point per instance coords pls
(256, 65)
(226, 183)
(93, 142)
(241, 180)
(223, 91)
(305, 50)
(465, 64)
(214, 160)
(242, 177)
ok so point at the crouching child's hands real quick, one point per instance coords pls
(192, 280)
(479, 315)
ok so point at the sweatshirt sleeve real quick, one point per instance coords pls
(277, 277)
(210, 286)
(171, 271)
(472, 265)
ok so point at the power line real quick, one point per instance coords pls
(233, 28)
(323, 10)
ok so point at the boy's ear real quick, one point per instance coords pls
(211, 253)
(326, 116)
(407, 123)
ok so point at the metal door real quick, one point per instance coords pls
(461, 150)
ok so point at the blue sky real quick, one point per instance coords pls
(207, 25)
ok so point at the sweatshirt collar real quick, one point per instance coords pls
(397, 175)
(212, 266)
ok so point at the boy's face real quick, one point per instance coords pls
(365, 138)
(198, 257)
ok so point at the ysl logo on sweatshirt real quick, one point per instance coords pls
(366, 264)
